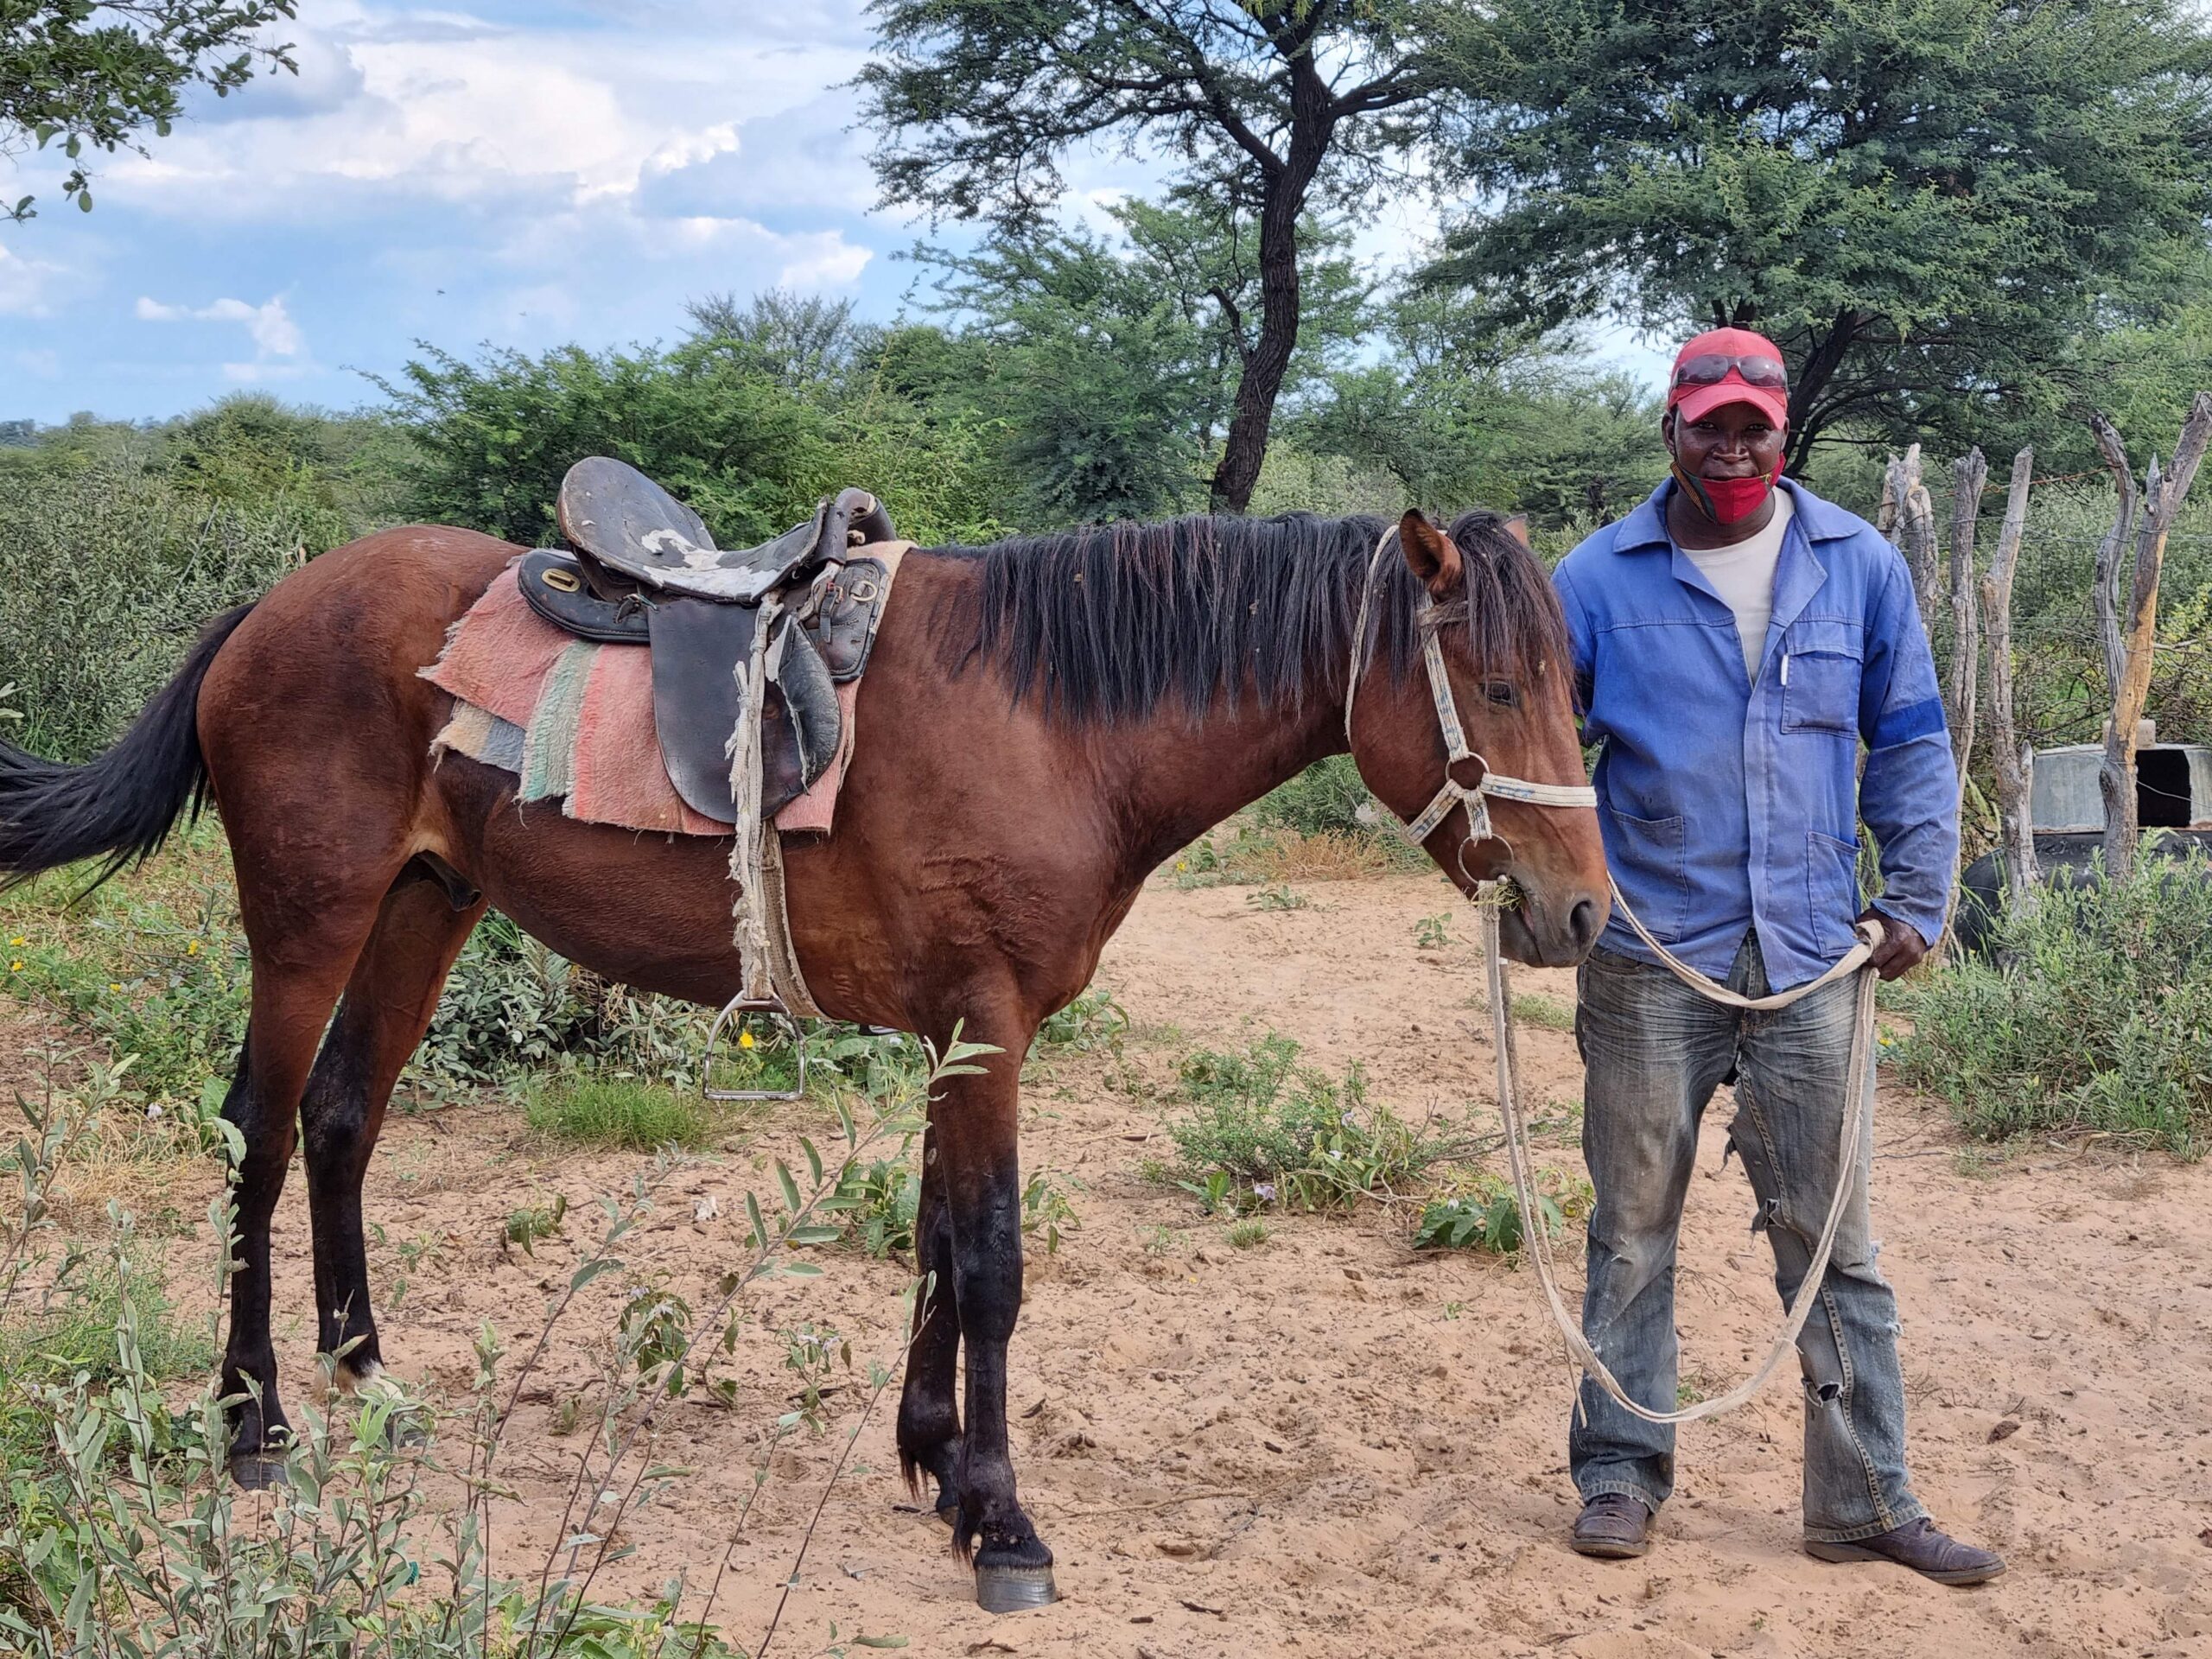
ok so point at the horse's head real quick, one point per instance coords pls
(1505, 659)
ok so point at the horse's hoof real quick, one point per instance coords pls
(948, 1503)
(1015, 1589)
(257, 1472)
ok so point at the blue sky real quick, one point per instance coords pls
(514, 174)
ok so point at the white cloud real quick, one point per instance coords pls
(829, 261)
(41, 361)
(269, 324)
(23, 285)
(406, 106)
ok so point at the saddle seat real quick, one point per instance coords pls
(646, 572)
(624, 525)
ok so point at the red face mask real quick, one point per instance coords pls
(1728, 500)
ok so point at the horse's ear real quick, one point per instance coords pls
(1517, 528)
(1432, 556)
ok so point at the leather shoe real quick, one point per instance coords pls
(1920, 1545)
(1611, 1526)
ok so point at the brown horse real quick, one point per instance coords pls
(1044, 721)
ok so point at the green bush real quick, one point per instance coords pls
(2096, 1014)
(1324, 799)
(1263, 1129)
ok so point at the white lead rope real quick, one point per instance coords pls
(1537, 1240)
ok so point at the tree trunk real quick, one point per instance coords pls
(2162, 500)
(2012, 761)
(1268, 360)
(1313, 114)
(1968, 478)
(2105, 577)
(1822, 361)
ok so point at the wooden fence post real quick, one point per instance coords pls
(2162, 500)
(2011, 762)
(2105, 577)
(1908, 518)
(1968, 478)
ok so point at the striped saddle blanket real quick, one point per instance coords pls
(573, 720)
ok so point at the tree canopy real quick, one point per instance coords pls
(1935, 207)
(1266, 109)
(96, 77)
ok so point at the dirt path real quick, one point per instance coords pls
(1327, 1444)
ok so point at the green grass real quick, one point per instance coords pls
(74, 1334)
(2095, 1016)
(1534, 1008)
(620, 1114)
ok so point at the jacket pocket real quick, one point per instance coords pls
(1820, 671)
(1651, 866)
(1832, 890)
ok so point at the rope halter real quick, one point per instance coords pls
(1457, 750)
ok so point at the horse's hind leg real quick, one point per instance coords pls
(424, 920)
(297, 974)
(929, 1415)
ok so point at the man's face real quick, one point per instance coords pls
(1734, 441)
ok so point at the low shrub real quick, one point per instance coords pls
(2094, 1014)
(1486, 1216)
(1263, 1127)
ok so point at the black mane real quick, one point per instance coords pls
(1112, 620)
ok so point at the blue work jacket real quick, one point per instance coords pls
(1729, 803)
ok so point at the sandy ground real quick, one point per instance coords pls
(1327, 1444)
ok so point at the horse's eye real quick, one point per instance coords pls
(1501, 693)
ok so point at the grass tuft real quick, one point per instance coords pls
(619, 1114)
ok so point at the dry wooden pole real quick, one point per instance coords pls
(2106, 578)
(2012, 761)
(2162, 500)
(1968, 478)
(1908, 518)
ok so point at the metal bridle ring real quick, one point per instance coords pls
(1460, 857)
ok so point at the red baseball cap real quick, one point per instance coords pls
(1695, 400)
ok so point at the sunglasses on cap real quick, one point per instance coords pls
(1711, 368)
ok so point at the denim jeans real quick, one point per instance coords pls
(1654, 1051)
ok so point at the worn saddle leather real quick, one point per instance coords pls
(622, 522)
(699, 644)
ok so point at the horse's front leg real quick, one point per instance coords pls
(929, 1413)
(975, 1126)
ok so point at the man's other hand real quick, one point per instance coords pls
(1901, 948)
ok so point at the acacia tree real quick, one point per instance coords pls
(1267, 108)
(97, 76)
(1934, 206)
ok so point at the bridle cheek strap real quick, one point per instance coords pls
(1457, 750)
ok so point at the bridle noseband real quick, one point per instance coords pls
(1452, 792)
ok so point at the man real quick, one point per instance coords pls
(1736, 641)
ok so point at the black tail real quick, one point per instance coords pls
(122, 804)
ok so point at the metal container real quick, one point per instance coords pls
(2173, 788)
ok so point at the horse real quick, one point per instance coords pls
(1044, 721)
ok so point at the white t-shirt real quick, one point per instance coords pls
(1743, 575)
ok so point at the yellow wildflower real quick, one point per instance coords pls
(745, 1039)
(114, 987)
(192, 950)
(16, 967)
(19, 940)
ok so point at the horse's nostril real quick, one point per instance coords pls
(1582, 922)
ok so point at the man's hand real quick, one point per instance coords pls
(1901, 948)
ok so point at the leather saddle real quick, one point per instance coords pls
(645, 571)
(627, 526)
